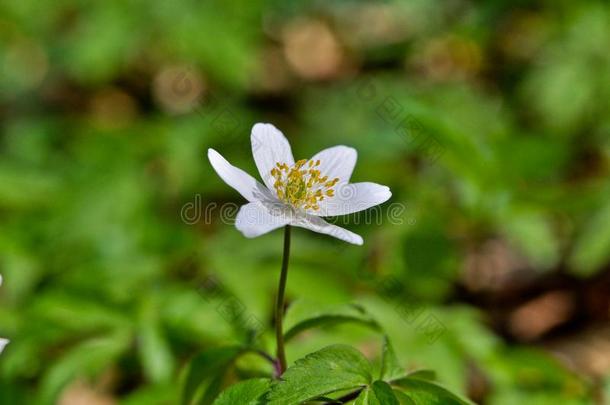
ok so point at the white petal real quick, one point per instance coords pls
(338, 161)
(319, 225)
(3, 343)
(257, 218)
(241, 181)
(269, 146)
(352, 197)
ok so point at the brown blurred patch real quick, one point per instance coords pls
(524, 304)
(448, 58)
(538, 316)
(313, 50)
(522, 35)
(374, 25)
(273, 74)
(81, 393)
(112, 107)
(177, 89)
(493, 267)
(479, 385)
(25, 62)
(585, 352)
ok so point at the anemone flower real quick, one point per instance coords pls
(297, 193)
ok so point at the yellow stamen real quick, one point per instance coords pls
(302, 187)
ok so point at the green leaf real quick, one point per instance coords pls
(425, 392)
(403, 399)
(427, 375)
(379, 393)
(363, 398)
(390, 367)
(532, 233)
(349, 314)
(334, 368)
(592, 248)
(383, 393)
(208, 369)
(161, 394)
(249, 392)
(153, 347)
(88, 358)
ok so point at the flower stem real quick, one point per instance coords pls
(279, 305)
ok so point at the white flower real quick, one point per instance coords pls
(297, 193)
(3, 342)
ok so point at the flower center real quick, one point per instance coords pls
(302, 185)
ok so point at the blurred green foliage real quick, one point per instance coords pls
(100, 152)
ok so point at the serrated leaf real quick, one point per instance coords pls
(426, 392)
(332, 369)
(390, 367)
(249, 392)
(206, 369)
(350, 314)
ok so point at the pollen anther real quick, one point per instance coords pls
(302, 187)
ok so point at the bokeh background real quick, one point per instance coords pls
(490, 121)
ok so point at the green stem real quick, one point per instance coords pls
(264, 355)
(279, 305)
